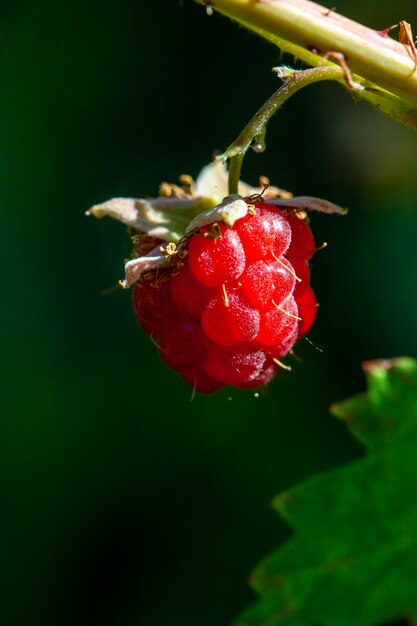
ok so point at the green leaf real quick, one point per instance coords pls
(352, 560)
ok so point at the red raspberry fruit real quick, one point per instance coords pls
(236, 303)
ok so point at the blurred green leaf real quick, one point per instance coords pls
(353, 556)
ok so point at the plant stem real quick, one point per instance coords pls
(235, 167)
(308, 31)
(256, 126)
(294, 81)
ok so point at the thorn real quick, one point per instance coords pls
(385, 31)
(339, 58)
(280, 364)
(286, 312)
(407, 39)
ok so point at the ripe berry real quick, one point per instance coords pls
(307, 308)
(279, 322)
(235, 367)
(217, 258)
(265, 231)
(235, 303)
(302, 242)
(263, 281)
(188, 293)
(228, 320)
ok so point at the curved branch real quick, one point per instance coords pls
(308, 31)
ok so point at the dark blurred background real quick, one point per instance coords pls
(122, 503)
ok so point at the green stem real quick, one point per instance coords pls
(235, 167)
(309, 31)
(256, 127)
(294, 82)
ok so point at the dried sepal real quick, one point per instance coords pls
(179, 211)
(136, 268)
(231, 209)
(164, 217)
(308, 203)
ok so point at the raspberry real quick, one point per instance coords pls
(235, 367)
(188, 293)
(228, 320)
(199, 379)
(307, 308)
(302, 243)
(263, 281)
(183, 345)
(153, 304)
(277, 324)
(235, 302)
(265, 231)
(218, 257)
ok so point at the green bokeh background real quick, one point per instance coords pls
(122, 503)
